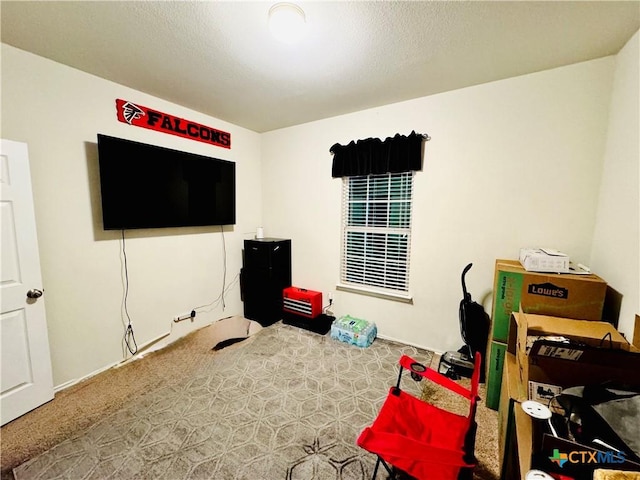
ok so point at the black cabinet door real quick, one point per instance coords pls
(266, 272)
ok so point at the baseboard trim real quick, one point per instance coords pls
(141, 352)
(404, 342)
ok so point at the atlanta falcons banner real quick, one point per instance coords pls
(144, 117)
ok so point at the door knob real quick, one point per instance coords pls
(34, 293)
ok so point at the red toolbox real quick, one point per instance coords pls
(302, 302)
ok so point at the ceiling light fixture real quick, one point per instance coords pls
(287, 22)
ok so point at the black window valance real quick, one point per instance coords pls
(400, 153)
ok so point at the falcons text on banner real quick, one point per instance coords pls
(144, 117)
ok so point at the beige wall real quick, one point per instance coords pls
(616, 241)
(511, 163)
(58, 111)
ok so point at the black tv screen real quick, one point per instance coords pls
(146, 186)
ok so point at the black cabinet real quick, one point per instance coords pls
(265, 273)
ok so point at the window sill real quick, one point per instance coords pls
(397, 297)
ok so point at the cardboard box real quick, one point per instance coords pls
(597, 352)
(515, 428)
(544, 260)
(524, 440)
(587, 360)
(560, 295)
(601, 474)
(522, 446)
(506, 428)
(495, 367)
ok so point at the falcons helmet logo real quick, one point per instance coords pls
(131, 112)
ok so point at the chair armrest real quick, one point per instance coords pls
(430, 374)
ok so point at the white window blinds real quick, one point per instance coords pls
(376, 230)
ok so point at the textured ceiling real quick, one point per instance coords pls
(218, 57)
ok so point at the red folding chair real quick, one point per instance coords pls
(420, 439)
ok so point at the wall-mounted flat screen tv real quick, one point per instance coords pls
(146, 186)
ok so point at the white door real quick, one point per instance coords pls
(26, 378)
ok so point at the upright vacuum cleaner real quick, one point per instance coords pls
(474, 328)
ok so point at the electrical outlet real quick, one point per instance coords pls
(191, 315)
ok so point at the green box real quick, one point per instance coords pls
(494, 374)
(507, 289)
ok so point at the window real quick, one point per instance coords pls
(376, 233)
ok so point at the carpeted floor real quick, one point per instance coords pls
(488, 467)
(286, 403)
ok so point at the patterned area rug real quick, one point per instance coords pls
(284, 404)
